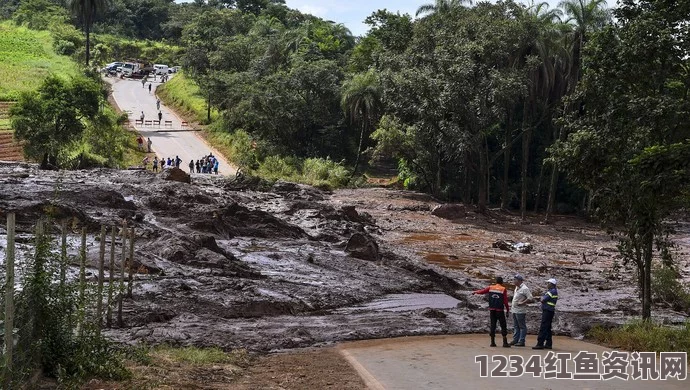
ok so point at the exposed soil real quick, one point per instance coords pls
(241, 265)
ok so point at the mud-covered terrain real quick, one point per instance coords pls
(269, 268)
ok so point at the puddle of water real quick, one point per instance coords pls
(413, 301)
(461, 261)
(426, 237)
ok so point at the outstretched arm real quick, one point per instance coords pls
(482, 291)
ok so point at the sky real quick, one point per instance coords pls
(352, 13)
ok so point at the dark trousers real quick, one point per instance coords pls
(499, 316)
(544, 338)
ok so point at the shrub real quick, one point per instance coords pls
(667, 288)
(276, 167)
(319, 171)
(65, 48)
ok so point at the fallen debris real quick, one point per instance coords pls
(522, 247)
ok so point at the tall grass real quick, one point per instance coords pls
(26, 57)
(184, 95)
(644, 336)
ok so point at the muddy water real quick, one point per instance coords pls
(409, 302)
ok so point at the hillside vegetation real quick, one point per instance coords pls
(27, 58)
(184, 95)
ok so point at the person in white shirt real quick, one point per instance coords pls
(521, 298)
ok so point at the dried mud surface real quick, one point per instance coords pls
(222, 263)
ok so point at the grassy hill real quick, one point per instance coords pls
(27, 56)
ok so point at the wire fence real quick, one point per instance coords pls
(48, 309)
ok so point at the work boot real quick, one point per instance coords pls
(493, 342)
(505, 342)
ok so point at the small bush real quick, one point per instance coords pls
(319, 171)
(667, 288)
(276, 167)
(65, 48)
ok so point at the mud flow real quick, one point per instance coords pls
(238, 264)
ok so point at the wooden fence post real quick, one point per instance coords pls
(121, 290)
(9, 301)
(63, 255)
(82, 282)
(131, 263)
(109, 309)
(99, 303)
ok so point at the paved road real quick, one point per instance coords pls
(448, 363)
(167, 142)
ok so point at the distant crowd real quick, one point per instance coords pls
(207, 164)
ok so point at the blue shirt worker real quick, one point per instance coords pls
(548, 309)
(498, 298)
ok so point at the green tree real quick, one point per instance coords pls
(361, 100)
(54, 116)
(627, 144)
(39, 14)
(87, 11)
(441, 6)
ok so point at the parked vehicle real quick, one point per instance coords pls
(129, 68)
(161, 69)
(113, 67)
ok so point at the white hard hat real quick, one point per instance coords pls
(552, 281)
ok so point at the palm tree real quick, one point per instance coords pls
(441, 6)
(586, 16)
(87, 10)
(544, 46)
(361, 101)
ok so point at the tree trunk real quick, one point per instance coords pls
(466, 197)
(359, 151)
(483, 166)
(538, 193)
(552, 192)
(437, 181)
(525, 161)
(647, 277)
(87, 28)
(506, 160)
(208, 108)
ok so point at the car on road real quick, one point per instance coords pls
(113, 66)
(161, 69)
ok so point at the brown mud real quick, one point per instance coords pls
(241, 265)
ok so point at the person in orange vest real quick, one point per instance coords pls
(498, 299)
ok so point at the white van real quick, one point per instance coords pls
(160, 69)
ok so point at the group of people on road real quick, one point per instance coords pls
(498, 300)
(163, 163)
(207, 164)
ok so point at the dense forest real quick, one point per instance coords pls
(579, 108)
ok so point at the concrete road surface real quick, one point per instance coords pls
(167, 142)
(448, 363)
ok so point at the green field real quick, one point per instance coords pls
(26, 57)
